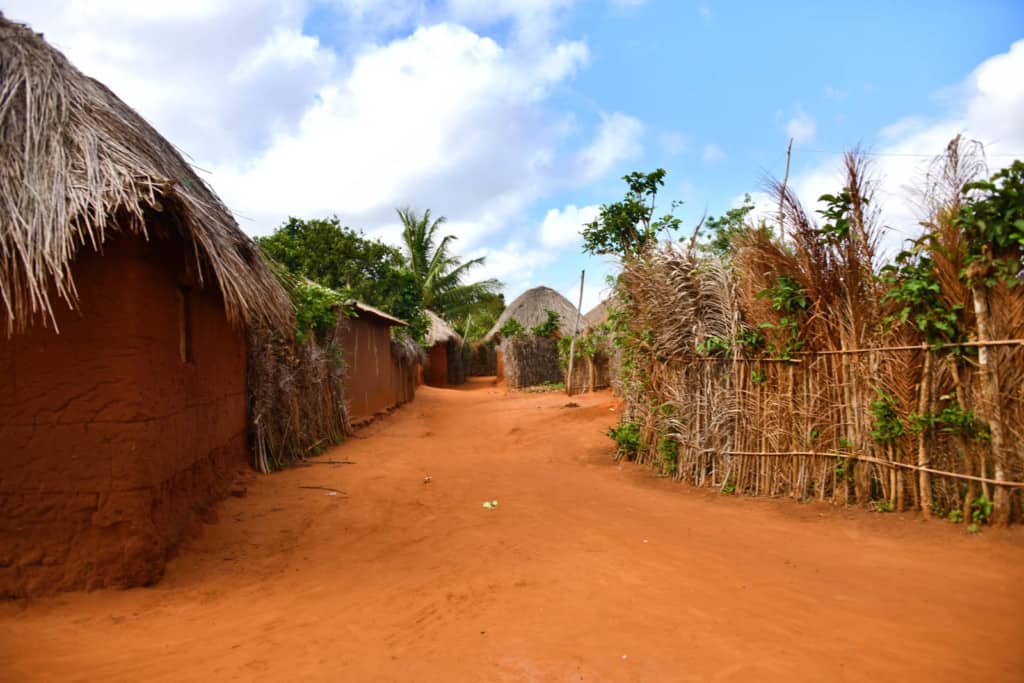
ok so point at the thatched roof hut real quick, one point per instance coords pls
(439, 331)
(123, 283)
(530, 309)
(445, 365)
(598, 315)
(79, 165)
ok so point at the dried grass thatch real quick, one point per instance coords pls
(78, 165)
(531, 361)
(439, 331)
(530, 309)
(598, 315)
(726, 390)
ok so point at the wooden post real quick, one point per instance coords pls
(991, 411)
(572, 341)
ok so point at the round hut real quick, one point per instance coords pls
(531, 309)
(528, 361)
(444, 353)
(125, 288)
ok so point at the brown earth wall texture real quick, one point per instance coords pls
(370, 383)
(109, 442)
(437, 366)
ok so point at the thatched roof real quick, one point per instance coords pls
(530, 309)
(368, 311)
(439, 332)
(408, 351)
(78, 165)
(597, 315)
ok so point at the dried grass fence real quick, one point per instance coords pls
(782, 372)
(531, 361)
(296, 397)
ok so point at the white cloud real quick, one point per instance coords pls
(673, 142)
(705, 12)
(989, 107)
(713, 154)
(216, 77)
(561, 227)
(801, 128)
(617, 140)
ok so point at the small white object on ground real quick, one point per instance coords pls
(490, 504)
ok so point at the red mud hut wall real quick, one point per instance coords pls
(377, 378)
(125, 289)
(444, 355)
(117, 429)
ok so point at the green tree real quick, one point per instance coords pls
(343, 259)
(723, 231)
(439, 274)
(627, 227)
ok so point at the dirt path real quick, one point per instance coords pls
(587, 570)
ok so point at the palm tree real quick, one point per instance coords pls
(439, 273)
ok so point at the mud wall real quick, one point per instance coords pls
(375, 381)
(437, 366)
(111, 439)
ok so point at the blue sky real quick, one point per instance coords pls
(517, 118)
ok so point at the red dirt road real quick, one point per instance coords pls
(586, 571)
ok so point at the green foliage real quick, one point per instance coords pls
(981, 510)
(724, 231)
(729, 487)
(836, 227)
(627, 227)
(481, 319)
(992, 221)
(885, 506)
(548, 328)
(316, 310)
(887, 426)
(343, 259)
(439, 274)
(954, 419)
(627, 439)
(668, 450)
(512, 328)
(955, 516)
(715, 346)
(789, 298)
(913, 287)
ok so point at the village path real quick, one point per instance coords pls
(587, 570)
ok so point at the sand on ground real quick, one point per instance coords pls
(587, 570)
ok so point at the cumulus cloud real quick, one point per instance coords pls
(619, 139)
(801, 128)
(216, 77)
(561, 227)
(673, 142)
(987, 106)
(712, 154)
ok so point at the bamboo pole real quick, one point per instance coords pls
(924, 408)
(991, 409)
(876, 461)
(572, 342)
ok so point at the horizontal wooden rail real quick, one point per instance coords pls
(877, 461)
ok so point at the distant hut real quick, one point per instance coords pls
(125, 287)
(372, 363)
(444, 353)
(598, 315)
(530, 309)
(525, 362)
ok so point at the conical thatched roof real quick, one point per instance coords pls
(77, 165)
(530, 309)
(596, 315)
(439, 332)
